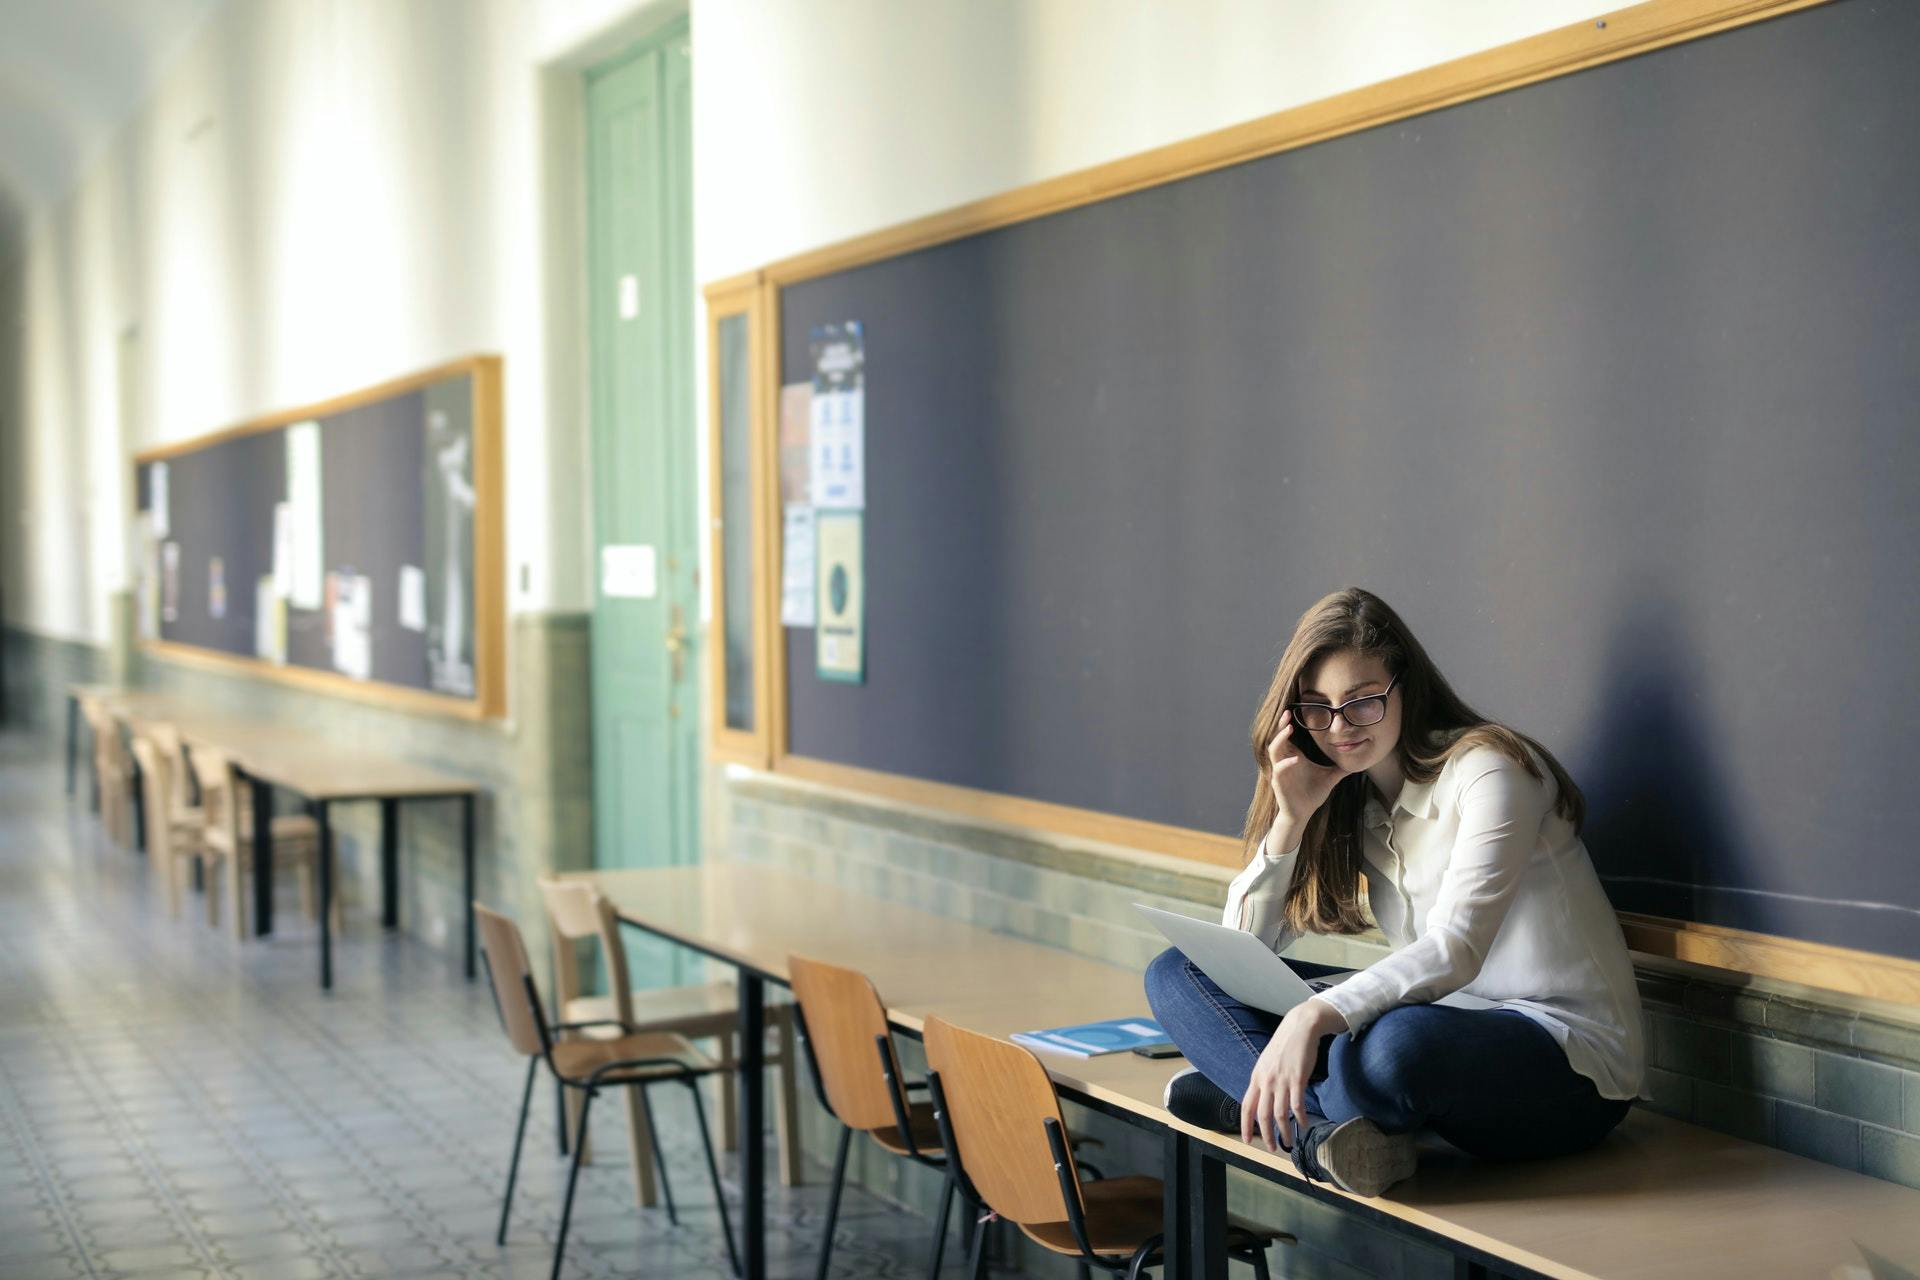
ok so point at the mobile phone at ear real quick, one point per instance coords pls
(1165, 1049)
(1310, 749)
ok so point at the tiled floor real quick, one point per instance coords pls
(173, 1103)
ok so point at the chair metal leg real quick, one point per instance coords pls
(977, 1256)
(659, 1156)
(1084, 1271)
(513, 1165)
(833, 1202)
(713, 1171)
(573, 1177)
(1142, 1257)
(940, 1228)
(560, 1116)
(1259, 1259)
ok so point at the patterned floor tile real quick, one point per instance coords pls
(174, 1103)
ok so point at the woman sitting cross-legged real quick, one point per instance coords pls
(1469, 836)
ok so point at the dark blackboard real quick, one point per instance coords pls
(1609, 384)
(397, 480)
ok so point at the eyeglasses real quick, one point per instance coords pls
(1371, 709)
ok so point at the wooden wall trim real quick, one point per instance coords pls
(1812, 964)
(315, 680)
(1621, 34)
(1015, 811)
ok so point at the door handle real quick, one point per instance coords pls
(677, 643)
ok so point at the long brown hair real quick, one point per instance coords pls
(1434, 724)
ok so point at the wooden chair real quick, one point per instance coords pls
(173, 838)
(1003, 1131)
(632, 1060)
(112, 771)
(186, 802)
(578, 913)
(857, 1073)
(227, 838)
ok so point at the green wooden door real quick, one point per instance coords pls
(645, 708)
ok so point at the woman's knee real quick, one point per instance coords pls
(1384, 1071)
(1165, 974)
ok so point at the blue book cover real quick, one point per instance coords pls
(1091, 1039)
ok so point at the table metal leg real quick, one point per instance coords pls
(753, 1129)
(326, 896)
(140, 811)
(262, 857)
(1173, 1209)
(466, 873)
(73, 739)
(1205, 1183)
(390, 862)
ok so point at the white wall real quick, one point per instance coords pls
(325, 193)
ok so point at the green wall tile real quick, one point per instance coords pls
(1863, 1090)
(1668, 1092)
(1776, 1068)
(1744, 1115)
(1912, 1123)
(1810, 1022)
(1817, 1134)
(1895, 1042)
(1887, 1154)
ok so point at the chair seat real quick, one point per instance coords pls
(578, 1059)
(294, 835)
(709, 1010)
(925, 1130)
(1122, 1214)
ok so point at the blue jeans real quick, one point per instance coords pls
(1492, 1082)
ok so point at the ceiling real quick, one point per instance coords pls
(70, 72)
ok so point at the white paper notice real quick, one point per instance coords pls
(269, 621)
(629, 572)
(797, 550)
(283, 549)
(839, 450)
(413, 597)
(353, 625)
(169, 581)
(306, 585)
(159, 505)
(217, 587)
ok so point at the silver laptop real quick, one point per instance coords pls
(1249, 971)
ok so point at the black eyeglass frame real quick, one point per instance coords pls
(1341, 709)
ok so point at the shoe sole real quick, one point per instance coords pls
(1363, 1160)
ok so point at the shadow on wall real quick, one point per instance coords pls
(1659, 820)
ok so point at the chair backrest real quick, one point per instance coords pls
(219, 797)
(843, 1015)
(108, 753)
(156, 792)
(508, 971)
(167, 738)
(577, 912)
(999, 1098)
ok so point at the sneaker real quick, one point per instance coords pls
(1354, 1155)
(1199, 1101)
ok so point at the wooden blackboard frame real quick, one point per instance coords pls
(489, 551)
(1623, 34)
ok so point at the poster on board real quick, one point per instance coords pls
(840, 632)
(450, 498)
(837, 417)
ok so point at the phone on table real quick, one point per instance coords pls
(1309, 748)
(1165, 1049)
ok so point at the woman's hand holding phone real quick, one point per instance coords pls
(1300, 786)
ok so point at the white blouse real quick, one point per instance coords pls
(1481, 887)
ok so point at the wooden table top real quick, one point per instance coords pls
(1657, 1199)
(284, 755)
